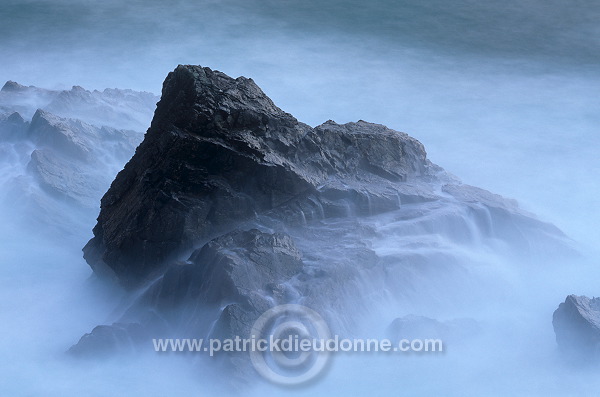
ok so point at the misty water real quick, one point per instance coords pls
(503, 96)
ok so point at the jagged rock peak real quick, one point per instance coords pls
(205, 88)
(219, 152)
(12, 86)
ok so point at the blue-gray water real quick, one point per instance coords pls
(502, 94)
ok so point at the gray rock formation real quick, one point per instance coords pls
(55, 169)
(72, 159)
(15, 97)
(219, 152)
(120, 109)
(243, 271)
(577, 327)
(419, 327)
(336, 217)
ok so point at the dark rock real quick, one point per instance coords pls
(238, 271)
(219, 152)
(234, 278)
(577, 327)
(223, 168)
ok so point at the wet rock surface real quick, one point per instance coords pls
(219, 152)
(577, 327)
(231, 206)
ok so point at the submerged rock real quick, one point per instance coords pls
(72, 159)
(12, 126)
(419, 327)
(108, 340)
(116, 108)
(577, 327)
(59, 152)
